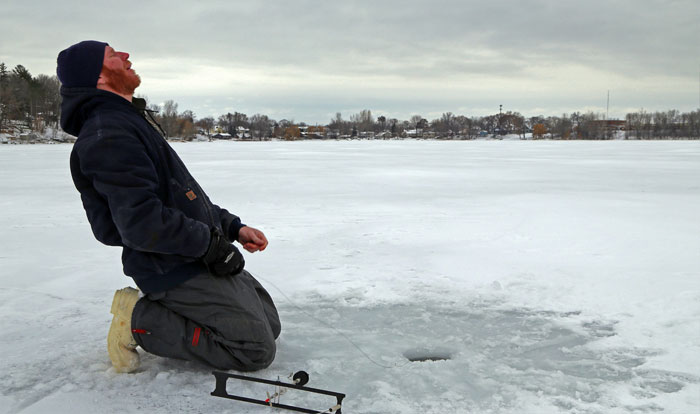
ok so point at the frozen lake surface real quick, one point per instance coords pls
(534, 277)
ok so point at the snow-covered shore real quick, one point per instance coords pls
(555, 276)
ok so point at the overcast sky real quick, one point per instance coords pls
(307, 60)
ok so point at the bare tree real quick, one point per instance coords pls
(415, 119)
(5, 95)
(364, 121)
(48, 104)
(394, 127)
(381, 123)
(562, 127)
(464, 127)
(225, 122)
(591, 126)
(206, 124)
(168, 118)
(185, 125)
(446, 125)
(337, 125)
(260, 126)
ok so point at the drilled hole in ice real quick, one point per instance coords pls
(424, 355)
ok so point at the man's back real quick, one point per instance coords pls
(136, 191)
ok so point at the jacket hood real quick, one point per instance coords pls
(77, 105)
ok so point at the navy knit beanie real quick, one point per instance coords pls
(80, 65)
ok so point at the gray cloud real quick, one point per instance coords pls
(451, 54)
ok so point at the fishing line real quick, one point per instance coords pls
(334, 329)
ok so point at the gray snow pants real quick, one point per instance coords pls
(225, 322)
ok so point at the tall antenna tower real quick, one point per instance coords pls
(607, 108)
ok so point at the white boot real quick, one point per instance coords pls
(120, 342)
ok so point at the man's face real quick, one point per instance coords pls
(117, 72)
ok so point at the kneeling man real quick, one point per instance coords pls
(196, 301)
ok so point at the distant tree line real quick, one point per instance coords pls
(589, 126)
(33, 103)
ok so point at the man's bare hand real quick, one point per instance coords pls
(252, 239)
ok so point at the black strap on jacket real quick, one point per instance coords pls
(147, 114)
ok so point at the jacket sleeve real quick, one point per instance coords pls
(230, 223)
(122, 172)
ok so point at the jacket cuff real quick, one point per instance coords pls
(234, 229)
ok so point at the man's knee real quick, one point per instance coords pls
(266, 355)
(254, 358)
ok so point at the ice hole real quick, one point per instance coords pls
(424, 355)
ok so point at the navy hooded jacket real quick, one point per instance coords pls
(136, 191)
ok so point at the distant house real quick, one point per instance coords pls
(221, 135)
(314, 132)
(303, 131)
(243, 133)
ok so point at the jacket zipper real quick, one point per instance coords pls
(162, 134)
(206, 203)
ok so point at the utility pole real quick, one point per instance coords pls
(607, 119)
(500, 112)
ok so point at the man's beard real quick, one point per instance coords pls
(122, 81)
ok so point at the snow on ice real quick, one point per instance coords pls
(523, 277)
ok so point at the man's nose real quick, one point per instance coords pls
(123, 55)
